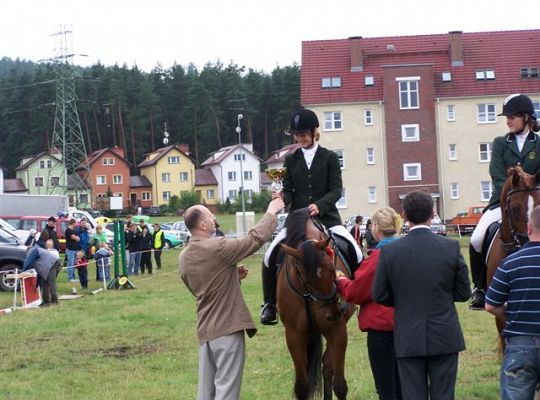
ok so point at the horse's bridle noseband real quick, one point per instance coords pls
(518, 238)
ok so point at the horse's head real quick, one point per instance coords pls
(520, 194)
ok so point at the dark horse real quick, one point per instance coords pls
(309, 308)
(520, 194)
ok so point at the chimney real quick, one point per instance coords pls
(357, 59)
(456, 49)
(119, 151)
(184, 148)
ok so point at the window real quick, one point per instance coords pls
(452, 152)
(231, 175)
(412, 172)
(446, 76)
(485, 152)
(117, 179)
(369, 80)
(38, 181)
(372, 194)
(248, 175)
(454, 191)
(98, 195)
(342, 202)
(370, 155)
(55, 180)
(146, 196)
(368, 117)
(483, 74)
(249, 193)
(485, 113)
(107, 161)
(183, 176)
(166, 196)
(165, 177)
(340, 158)
(173, 159)
(118, 194)
(44, 164)
(524, 72)
(534, 72)
(332, 121)
(238, 157)
(536, 105)
(450, 115)
(232, 194)
(408, 93)
(485, 190)
(331, 82)
(410, 133)
(210, 193)
(83, 198)
(101, 180)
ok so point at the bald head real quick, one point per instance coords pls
(199, 220)
(534, 225)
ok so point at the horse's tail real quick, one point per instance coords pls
(314, 363)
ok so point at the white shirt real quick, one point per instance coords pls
(520, 140)
(309, 154)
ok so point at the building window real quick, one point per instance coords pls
(408, 94)
(55, 180)
(372, 194)
(146, 196)
(485, 74)
(342, 202)
(38, 181)
(118, 194)
(101, 195)
(183, 176)
(44, 164)
(454, 191)
(368, 117)
(238, 157)
(107, 161)
(485, 152)
(332, 121)
(166, 196)
(210, 193)
(485, 190)
(232, 194)
(231, 175)
(536, 105)
(369, 80)
(486, 114)
(452, 152)
(450, 115)
(446, 76)
(249, 193)
(248, 175)
(412, 172)
(410, 133)
(370, 155)
(534, 72)
(83, 198)
(165, 177)
(173, 160)
(331, 82)
(341, 158)
(117, 179)
(101, 180)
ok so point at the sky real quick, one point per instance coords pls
(258, 34)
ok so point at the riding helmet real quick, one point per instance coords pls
(302, 121)
(517, 103)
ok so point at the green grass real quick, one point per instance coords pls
(141, 344)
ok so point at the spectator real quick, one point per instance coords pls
(421, 275)
(103, 262)
(158, 244)
(371, 242)
(146, 244)
(133, 239)
(51, 230)
(72, 246)
(84, 236)
(46, 262)
(514, 293)
(356, 231)
(219, 232)
(98, 237)
(31, 240)
(82, 268)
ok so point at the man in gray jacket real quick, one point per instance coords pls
(46, 262)
(208, 268)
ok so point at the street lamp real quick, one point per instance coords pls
(239, 131)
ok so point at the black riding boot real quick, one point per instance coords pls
(269, 281)
(478, 272)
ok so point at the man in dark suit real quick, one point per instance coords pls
(422, 275)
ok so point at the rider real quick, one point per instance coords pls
(520, 146)
(313, 181)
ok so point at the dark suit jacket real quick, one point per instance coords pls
(421, 275)
(321, 184)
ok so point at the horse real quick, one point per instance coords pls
(520, 194)
(308, 304)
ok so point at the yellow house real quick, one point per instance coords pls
(206, 185)
(171, 172)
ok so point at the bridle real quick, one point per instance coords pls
(518, 238)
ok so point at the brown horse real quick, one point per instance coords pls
(309, 308)
(520, 194)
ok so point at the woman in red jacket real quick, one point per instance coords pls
(375, 319)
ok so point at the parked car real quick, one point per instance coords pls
(152, 211)
(181, 227)
(20, 233)
(437, 226)
(38, 222)
(12, 255)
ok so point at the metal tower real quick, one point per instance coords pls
(67, 140)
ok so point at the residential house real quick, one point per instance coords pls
(416, 112)
(15, 185)
(232, 166)
(40, 173)
(170, 170)
(140, 191)
(206, 186)
(276, 160)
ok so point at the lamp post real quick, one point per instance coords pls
(239, 131)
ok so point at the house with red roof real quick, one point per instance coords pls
(417, 112)
(206, 186)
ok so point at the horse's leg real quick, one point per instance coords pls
(328, 372)
(336, 341)
(297, 346)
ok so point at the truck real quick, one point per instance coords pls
(465, 222)
(33, 204)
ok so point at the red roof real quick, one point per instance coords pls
(96, 155)
(504, 51)
(279, 155)
(217, 156)
(160, 153)
(14, 185)
(204, 177)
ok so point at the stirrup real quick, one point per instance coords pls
(268, 314)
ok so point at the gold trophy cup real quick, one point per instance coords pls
(277, 175)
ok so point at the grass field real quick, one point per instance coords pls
(141, 344)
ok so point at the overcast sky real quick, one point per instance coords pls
(258, 34)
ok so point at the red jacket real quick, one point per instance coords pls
(372, 316)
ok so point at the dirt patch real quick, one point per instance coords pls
(128, 351)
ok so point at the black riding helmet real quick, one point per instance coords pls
(518, 104)
(302, 121)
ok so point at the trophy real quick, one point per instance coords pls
(277, 175)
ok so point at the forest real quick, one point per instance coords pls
(124, 106)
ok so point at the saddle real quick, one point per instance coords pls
(491, 234)
(345, 250)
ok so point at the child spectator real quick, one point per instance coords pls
(81, 264)
(103, 261)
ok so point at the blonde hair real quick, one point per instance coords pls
(80, 254)
(387, 220)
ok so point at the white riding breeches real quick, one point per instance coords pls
(479, 233)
